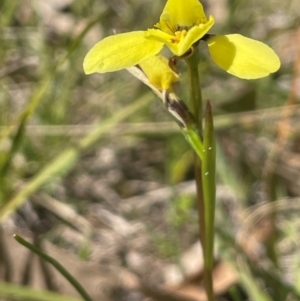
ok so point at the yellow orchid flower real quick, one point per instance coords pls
(182, 24)
(158, 72)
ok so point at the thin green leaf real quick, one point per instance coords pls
(56, 265)
(209, 185)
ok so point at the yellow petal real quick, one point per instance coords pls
(243, 57)
(182, 41)
(158, 72)
(181, 13)
(120, 51)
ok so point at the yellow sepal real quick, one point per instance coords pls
(181, 13)
(243, 57)
(120, 51)
(158, 72)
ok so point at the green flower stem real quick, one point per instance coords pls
(195, 89)
(196, 108)
(55, 264)
(205, 234)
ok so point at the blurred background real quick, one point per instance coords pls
(96, 173)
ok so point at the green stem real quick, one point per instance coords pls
(196, 108)
(195, 89)
(55, 264)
